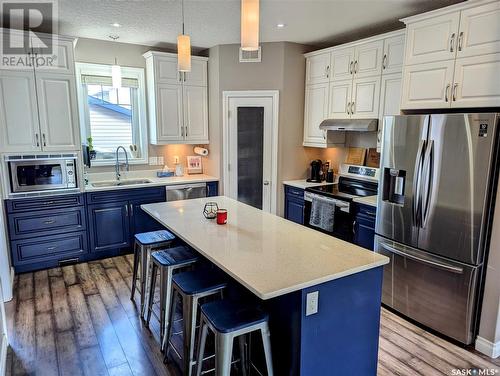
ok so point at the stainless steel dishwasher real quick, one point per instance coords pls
(186, 191)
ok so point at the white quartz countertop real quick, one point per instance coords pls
(146, 174)
(368, 200)
(303, 184)
(267, 254)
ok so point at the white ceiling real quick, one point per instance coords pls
(213, 22)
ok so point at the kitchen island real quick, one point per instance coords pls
(281, 262)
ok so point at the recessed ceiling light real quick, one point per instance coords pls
(280, 25)
(116, 24)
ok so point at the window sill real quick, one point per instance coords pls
(112, 162)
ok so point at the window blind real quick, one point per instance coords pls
(107, 81)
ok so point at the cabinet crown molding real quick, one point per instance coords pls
(449, 9)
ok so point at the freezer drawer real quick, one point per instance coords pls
(436, 292)
(185, 192)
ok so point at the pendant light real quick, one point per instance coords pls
(249, 25)
(116, 70)
(183, 49)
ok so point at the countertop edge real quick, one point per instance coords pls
(152, 184)
(283, 291)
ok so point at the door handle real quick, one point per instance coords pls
(355, 67)
(266, 182)
(37, 140)
(460, 40)
(44, 141)
(353, 108)
(400, 252)
(180, 76)
(384, 61)
(452, 42)
(348, 107)
(427, 182)
(49, 222)
(350, 67)
(126, 210)
(131, 210)
(416, 184)
(454, 95)
(327, 71)
(446, 90)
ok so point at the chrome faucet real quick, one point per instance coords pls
(118, 164)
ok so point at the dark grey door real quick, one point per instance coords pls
(454, 185)
(404, 140)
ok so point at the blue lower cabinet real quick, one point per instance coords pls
(212, 188)
(294, 204)
(364, 226)
(140, 220)
(109, 226)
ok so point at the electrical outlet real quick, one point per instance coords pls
(312, 303)
(153, 161)
(176, 159)
(160, 161)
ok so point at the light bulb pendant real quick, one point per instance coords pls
(249, 25)
(183, 49)
(116, 75)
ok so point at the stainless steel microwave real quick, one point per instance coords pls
(42, 173)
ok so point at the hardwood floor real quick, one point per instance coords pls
(79, 320)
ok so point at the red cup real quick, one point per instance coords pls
(221, 216)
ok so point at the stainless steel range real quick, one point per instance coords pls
(354, 181)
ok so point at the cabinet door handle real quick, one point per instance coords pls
(350, 67)
(51, 248)
(37, 140)
(126, 210)
(349, 108)
(49, 221)
(327, 71)
(131, 210)
(460, 39)
(452, 42)
(454, 95)
(446, 92)
(355, 67)
(353, 107)
(384, 61)
(180, 76)
(324, 134)
(44, 140)
(185, 75)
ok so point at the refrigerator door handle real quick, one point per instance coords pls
(416, 184)
(426, 189)
(429, 261)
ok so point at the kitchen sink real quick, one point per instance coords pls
(120, 183)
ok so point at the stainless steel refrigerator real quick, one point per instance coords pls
(435, 205)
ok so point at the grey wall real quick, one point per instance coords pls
(282, 68)
(129, 55)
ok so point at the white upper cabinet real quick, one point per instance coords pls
(198, 74)
(58, 112)
(318, 69)
(178, 102)
(479, 30)
(394, 52)
(432, 39)
(390, 97)
(476, 82)
(340, 99)
(342, 63)
(365, 98)
(427, 85)
(368, 59)
(452, 57)
(19, 127)
(195, 101)
(38, 108)
(316, 108)
(169, 110)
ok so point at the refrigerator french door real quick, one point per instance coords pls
(433, 215)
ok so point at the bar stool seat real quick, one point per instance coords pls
(227, 316)
(191, 287)
(144, 244)
(166, 262)
(152, 237)
(227, 321)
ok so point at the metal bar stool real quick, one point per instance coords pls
(144, 244)
(191, 287)
(229, 320)
(167, 262)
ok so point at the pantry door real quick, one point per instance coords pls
(250, 145)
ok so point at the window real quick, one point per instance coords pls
(113, 116)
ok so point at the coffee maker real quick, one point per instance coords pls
(316, 171)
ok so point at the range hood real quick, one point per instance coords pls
(352, 125)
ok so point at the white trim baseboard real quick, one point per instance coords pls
(488, 348)
(3, 354)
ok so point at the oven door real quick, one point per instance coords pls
(343, 219)
(37, 175)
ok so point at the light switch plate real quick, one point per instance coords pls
(312, 303)
(160, 161)
(153, 161)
